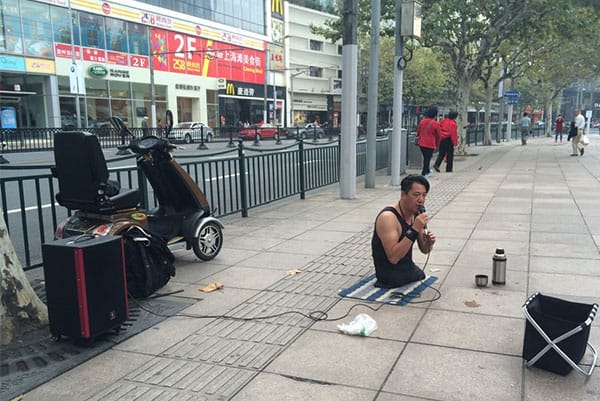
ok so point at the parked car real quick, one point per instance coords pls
(262, 130)
(190, 132)
(304, 131)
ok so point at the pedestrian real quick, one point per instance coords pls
(558, 129)
(161, 127)
(145, 126)
(576, 147)
(525, 128)
(428, 138)
(449, 139)
(397, 228)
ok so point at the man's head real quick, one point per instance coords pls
(432, 112)
(453, 114)
(577, 112)
(414, 190)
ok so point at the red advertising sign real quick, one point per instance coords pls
(192, 55)
(160, 58)
(117, 58)
(91, 54)
(135, 60)
(63, 50)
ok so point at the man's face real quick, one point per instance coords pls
(414, 197)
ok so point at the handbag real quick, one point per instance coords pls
(584, 140)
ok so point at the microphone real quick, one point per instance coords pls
(422, 209)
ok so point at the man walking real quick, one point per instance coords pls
(525, 128)
(580, 126)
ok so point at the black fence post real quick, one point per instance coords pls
(202, 144)
(230, 144)
(278, 142)
(315, 139)
(243, 186)
(301, 169)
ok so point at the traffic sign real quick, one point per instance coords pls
(511, 97)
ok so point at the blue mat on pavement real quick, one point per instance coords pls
(365, 289)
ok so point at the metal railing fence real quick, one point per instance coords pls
(234, 181)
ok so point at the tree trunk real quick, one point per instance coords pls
(489, 93)
(464, 92)
(20, 307)
(548, 115)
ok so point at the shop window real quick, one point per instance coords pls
(37, 30)
(96, 87)
(92, 30)
(10, 27)
(61, 26)
(212, 108)
(116, 35)
(119, 90)
(138, 38)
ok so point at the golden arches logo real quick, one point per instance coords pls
(230, 89)
(277, 7)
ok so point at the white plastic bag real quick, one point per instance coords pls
(585, 140)
(362, 325)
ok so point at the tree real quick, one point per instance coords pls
(471, 32)
(20, 307)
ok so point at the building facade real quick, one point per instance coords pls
(219, 62)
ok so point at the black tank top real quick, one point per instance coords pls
(388, 274)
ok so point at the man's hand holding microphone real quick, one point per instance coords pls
(426, 237)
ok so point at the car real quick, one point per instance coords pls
(191, 131)
(304, 131)
(260, 130)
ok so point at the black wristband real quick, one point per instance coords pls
(411, 235)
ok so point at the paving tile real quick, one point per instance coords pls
(464, 276)
(456, 375)
(264, 388)
(337, 358)
(541, 385)
(564, 264)
(97, 374)
(564, 284)
(252, 278)
(274, 259)
(488, 301)
(472, 332)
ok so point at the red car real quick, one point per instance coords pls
(261, 130)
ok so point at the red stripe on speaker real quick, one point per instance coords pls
(125, 280)
(84, 318)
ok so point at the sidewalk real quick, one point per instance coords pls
(535, 201)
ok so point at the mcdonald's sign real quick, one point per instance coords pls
(230, 89)
(277, 8)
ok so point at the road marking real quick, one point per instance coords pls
(30, 208)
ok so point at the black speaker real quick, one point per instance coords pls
(85, 285)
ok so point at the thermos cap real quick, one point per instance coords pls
(500, 251)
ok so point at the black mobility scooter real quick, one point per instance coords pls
(102, 208)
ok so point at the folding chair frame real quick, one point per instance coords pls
(552, 343)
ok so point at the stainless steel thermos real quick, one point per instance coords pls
(499, 267)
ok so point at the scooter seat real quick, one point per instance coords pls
(83, 176)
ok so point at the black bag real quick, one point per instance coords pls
(148, 261)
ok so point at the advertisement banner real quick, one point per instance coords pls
(193, 55)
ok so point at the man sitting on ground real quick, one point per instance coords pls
(397, 227)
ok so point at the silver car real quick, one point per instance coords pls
(189, 132)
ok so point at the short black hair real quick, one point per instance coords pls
(408, 181)
(432, 112)
(453, 114)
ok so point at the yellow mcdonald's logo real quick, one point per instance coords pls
(230, 89)
(277, 7)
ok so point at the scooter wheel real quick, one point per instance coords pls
(209, 241)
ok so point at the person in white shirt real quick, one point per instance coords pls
(577, 148)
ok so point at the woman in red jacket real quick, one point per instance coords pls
(449, 139)
(428, 138)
